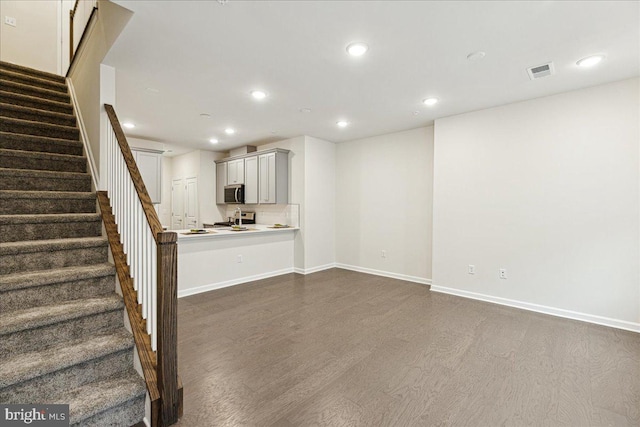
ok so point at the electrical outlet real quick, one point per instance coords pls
(239, 259)
(10, 20)
(503, 273)
(472, 269)
(383, 253)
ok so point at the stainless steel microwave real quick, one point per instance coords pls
(234, 194)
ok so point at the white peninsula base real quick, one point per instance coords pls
(225, 258)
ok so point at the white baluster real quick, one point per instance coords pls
(143, 275)
(136, 235)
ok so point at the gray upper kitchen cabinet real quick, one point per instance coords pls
(251, 180)
(150, 166)
(273, 177)
(221, 181)
(265, 175)
(235, 172)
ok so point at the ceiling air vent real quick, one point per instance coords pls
(540, 71)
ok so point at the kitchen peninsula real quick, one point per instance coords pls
(250, 185)
(224, 258)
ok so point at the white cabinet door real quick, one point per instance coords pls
(267, 171)
(150, 167)
(221, 181)
(235, 172)
(251, 180)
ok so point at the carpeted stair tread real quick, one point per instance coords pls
(45, 174)
(29, 202)
(30, 127)
(30, 71)
(10, 282)
(35, 180)
(39, 92)
(48, 218)
(37, 115)
(32, 255)
(31, 160)
(18, 141)
(16, 248)
(35, 102)
(32, 80)
(21, 367)
(21, 320)
(14, 228)
(97, 397)
(19, 194)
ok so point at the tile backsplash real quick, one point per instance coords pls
(270, 214)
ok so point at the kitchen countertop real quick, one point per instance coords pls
(252, 229)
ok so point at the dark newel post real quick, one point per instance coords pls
(167, 369)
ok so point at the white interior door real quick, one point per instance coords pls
(177, 204)
(191, 203)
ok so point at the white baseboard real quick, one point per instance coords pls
(233, 282)
(559, 312)
(405, 277)
(314, 269)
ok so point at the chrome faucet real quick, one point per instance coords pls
(239, 213)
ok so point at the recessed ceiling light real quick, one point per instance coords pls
(476, 56)
(305, 110)
(213, 140)
(205, 115)
(357, 49)
(229, 131)
(152, 90)
(128, 125)
(342, 124)
(430, 101)
(258, 94)
(590, 61)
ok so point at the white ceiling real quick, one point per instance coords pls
(205, 57)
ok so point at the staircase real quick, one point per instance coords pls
(62, 334)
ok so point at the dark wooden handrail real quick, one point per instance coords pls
(72, 14)
(145, 200)
(138, 324)
(161, 368)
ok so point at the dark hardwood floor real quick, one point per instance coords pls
(340, 348)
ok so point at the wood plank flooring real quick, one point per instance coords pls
(340, 348)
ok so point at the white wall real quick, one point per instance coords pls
(549, 190)
(319, 205)
(312, 186)
(34, 41)
(296, 146)
(164, 208)
(86, 73)
(383, 202)
(207, 207)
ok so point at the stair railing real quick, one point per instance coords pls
(146, 260)
(79, 17)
